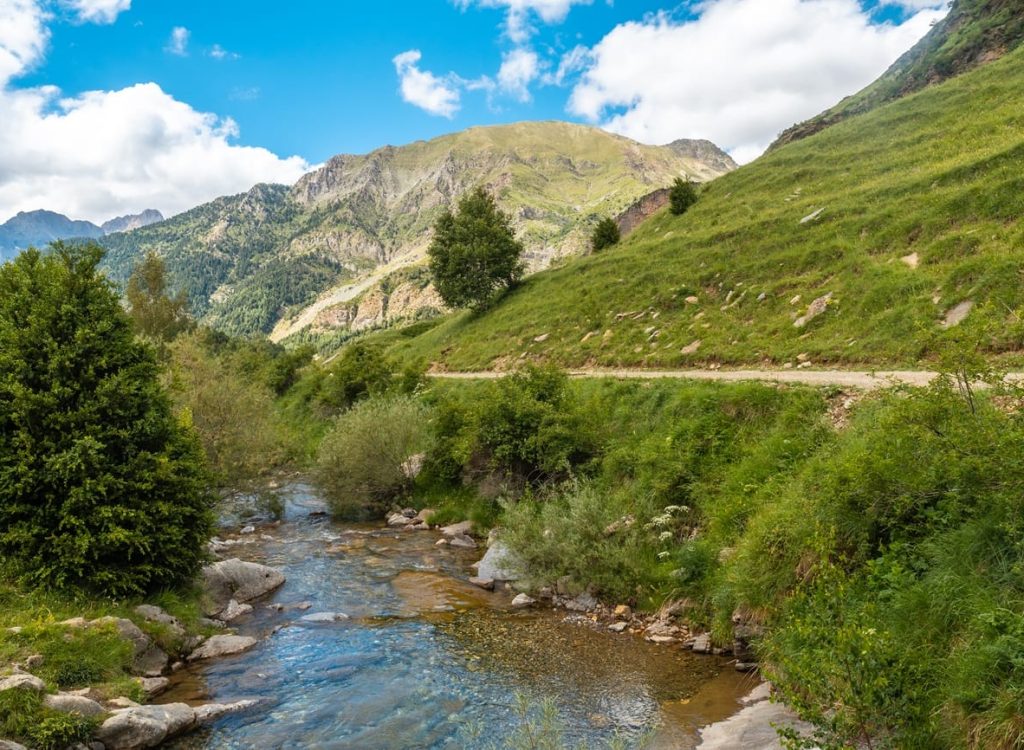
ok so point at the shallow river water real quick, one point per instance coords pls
(428, 661)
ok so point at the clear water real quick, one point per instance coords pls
(428, 661)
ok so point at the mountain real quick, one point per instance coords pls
(343, 248)
(975, 32)
(40, 228)
(874, 242)
(132, 221)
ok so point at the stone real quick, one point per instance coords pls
(9, 745)
(692, 300)
(150, 613)
(34, 662)
(326, 617)
(463, 541)
(441, 543)
(397, 520)
(811, 217)
(425, 515)
(662, 640)
(762, 296)
(814, 309)
(213, 711)
(912, 261)
(691, 348)
(409, 513)
(624, 611)
(122, 703)
(626, 522)
(484, 583)
(498, 563)
(73, 704)
(153, 686)
(145, 726)
(234, 579)
(542, 338)
(585, 602)
(206, 622)
(702, 644)
(958, 314)
(233, 611)
(150, 660)
(222, 645)
(619, 627)
(463, 528)
(248, 530)
(22, 682)
(522, 601)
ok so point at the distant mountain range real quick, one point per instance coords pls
(40, 228)
(343, 249)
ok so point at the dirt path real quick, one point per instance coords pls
(862, 379)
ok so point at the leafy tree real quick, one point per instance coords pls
(474, 252)
(682, 195)
(605, 235)
(155, 311)
(100, 488)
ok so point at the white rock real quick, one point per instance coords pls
(234, 579)
(22, 682)
(213, 711)
(233, 611)
(463, 541)
(222, 645)
(463, 528)
(145, 726)
(153, 686)
(8, 745)
(326, 617)
(498, 564)
(618, 627)
(73, 704)
(522, 601)
(248, 530)
(702, 644)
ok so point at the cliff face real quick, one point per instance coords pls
(281, 259)
(975, 32)
(642, 210)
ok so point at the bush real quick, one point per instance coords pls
(681, 196)
(605, 235)
(100, 488)
(474, 252)
(360, 371)
(361, 465)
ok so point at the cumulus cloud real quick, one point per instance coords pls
(98, 11)
(518, 15)
(178, 42)
(740, 72)
(438, 95)
(519, 68)
(107, 153)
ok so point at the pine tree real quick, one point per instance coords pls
(605, 235)
(682, 195)
(100, 487)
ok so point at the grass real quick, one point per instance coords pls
(935, 175)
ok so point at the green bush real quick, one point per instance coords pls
(606, 234)
(100, 488)
(57, 731)
(682, 196)
(361, 465)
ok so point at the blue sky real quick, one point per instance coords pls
(191, 99)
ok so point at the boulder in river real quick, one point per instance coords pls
(462, 528)
(522, 601)
(222, 645)
(233, 611)
(140, 727)
(238, 580)
(320, 617)
(498, 564)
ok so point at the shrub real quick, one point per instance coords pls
(681, 196)
(474, 252)
(57, 731)
(361, 465)
(100, 488)
(605, 235)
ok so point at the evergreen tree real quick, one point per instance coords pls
(154, 310)
(100, 487)
(605, 235)
(474, 252)
(682, 195)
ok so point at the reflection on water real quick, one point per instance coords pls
(426, 658)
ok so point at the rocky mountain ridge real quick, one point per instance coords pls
(40, 228)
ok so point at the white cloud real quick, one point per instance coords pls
(517, 18)
(98, 11)
(217, 52)
(434, 94)
(178, 43)
(107, 153)
(740, 73)
(519, 68)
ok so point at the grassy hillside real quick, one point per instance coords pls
(917, 210)
(974, 32)
(258, 262)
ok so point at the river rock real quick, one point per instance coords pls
(150, 660)
(484, 583)
(619, 627)
(498, 564)
(522, 601)
(150, 613)
(463, 528)
(234, 579)
(399, 520)
(73, 704)
(153, 686)
(22, 681)
(585, 602)
(462, 541)
(325, 617)
(233, 611)
(222, 645)
(9, 745)
(213, 711)
(145, 726)
(702, 644)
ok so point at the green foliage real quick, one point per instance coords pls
(360, 371)
(362, 464)
(57, 731)
(682, 196)
(155, 312)
(99, 487)
(474, 252)
(606, 234)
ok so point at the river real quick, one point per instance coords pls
(426, 660)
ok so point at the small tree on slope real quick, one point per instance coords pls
(681, 196)
(605, 235)
(474, 252)
(100, 487)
